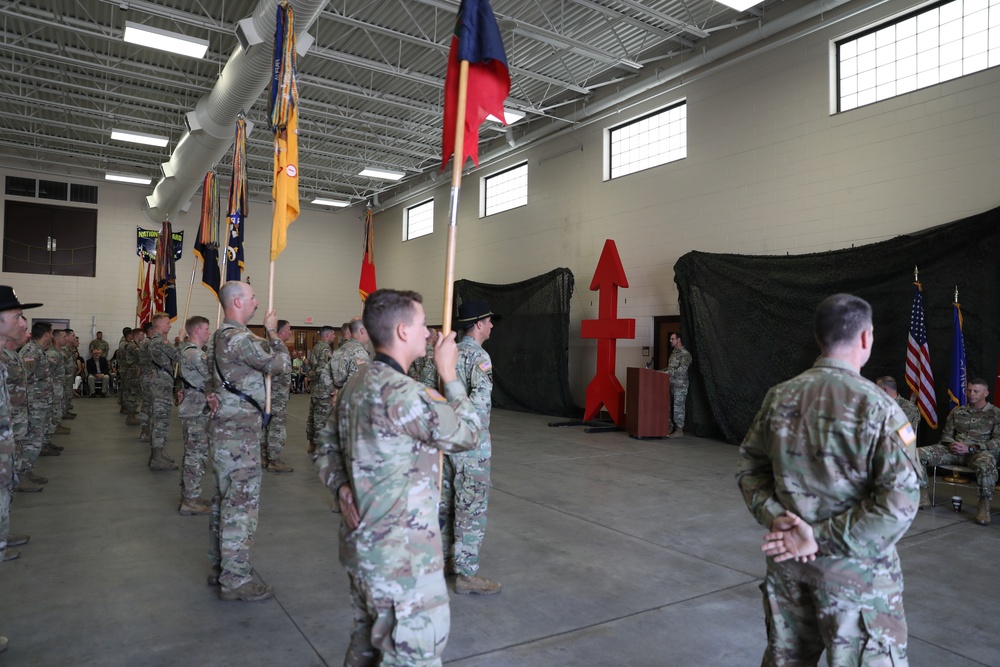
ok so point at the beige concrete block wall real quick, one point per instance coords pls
(769, 171)
(316, 276)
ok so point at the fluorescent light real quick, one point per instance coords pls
(319, 201)
(127, 178)
(386, 174)
(139, 138)
(510, 116)
(740, 5)
(165, 40)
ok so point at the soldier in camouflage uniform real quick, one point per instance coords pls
(971, 437)
(887, 383)
(57, 371)
(423, 370)
(824, 468)
(70, 352)
(162, 357)
(99, 344)
(465, 483)
(193, 410)
(238, 361)
(319, 402)
(17, 389)
(677, 366)
(378, 456)
(281, 389)
(120, 360)
(131, 374)
(40, 398)
(144, 384)
(348, 358)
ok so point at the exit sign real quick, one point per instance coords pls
(309, 320)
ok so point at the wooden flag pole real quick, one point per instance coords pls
(140, 286)
(270, 307)
(187, 304)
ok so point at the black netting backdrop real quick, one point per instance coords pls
(747, 320)
(530, 346)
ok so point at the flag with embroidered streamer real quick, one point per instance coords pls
(958, 374)
(918, 360)
(367, 283)
(285, 126)
(206, 246)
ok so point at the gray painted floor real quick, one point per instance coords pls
(611, 551)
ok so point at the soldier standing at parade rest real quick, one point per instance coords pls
(281, 389)
(120, 352)
(378, 456)
(162, 357)
(348, 358)
(971, 437)
(193, 411)
(145, 381)
(131, 376)
(238, 361)
(677, 366)
(319, 402)
(57, 372)
(824, 468)
(38, 440)
(465, 484)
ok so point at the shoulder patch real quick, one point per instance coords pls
(361, 362)
(907, 434)
(486, 366)
(435, 395)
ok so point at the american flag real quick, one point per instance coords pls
(918, 361)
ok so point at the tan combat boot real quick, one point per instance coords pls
(144, 434)
(24, 486)
(17, 540)
(132, 420)
(277, 465)
(983, 514)
(194, 507)
(11, 554)
(475, 585)
(36, 479)
(157, 462)
(251, 591)
(925, 499)
(62, 430)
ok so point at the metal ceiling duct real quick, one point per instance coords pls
(211, 126)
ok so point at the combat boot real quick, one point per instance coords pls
(69, 415)
(17, 540)
(11, 554)
(121, 409)
(163, 453)
(62, 430)
(157, 462)
(983, 515)
(144, 434)
(24, 486)
(49, 450)
(925, 498)
(475, 585)
(213, 576)
(251, 591)
(36, 479)
(194, 507)
(132, 420)
(277, 465)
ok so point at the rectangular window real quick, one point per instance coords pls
(654, 139)
(50, 240)
(20, 186)
(85, 194)
(934, 44)
(53, 190)
(418, 220)
(505, 190)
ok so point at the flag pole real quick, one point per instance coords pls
(187, 304)
(139, 286)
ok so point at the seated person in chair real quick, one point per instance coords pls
(971, 437)
(98, 370)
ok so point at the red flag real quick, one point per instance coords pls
(146, 314)
(918, 361)
(476, 40)
(367, 285)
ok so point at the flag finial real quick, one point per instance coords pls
(956, 293)
(916, 274)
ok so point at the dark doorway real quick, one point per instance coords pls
(663, 326)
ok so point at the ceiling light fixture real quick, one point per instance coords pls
(127, 178)
(510, 116)
(385, 174)
(740, 5)
(165, 40)
(339, 203)
(139, 138)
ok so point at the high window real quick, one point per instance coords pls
(654, 139)
(418, 220)
(505, 190)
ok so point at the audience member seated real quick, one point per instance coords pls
(297, 372)
(98, 371)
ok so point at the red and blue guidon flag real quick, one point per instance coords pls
(477, 40)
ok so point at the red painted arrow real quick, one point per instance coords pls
(605, 389)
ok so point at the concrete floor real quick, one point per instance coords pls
(611, 551)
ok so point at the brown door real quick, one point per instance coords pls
(663, 326)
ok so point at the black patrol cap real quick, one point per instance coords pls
(9, 300)
(471, 312)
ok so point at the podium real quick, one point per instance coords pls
(647, 403)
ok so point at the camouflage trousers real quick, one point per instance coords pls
(984, 463)
(5, 498)
(162, 407)
(398, 627)
(678, 398)
(319, 414)
(277, 431)
(145, 404)
(856, 624)
(235, 449)
(131, 395)
(465, 489)
(58, 407)
(195, 455)
(30, 446)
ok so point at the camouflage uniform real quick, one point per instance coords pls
(130, 372)
(973, 427)
(677, 366)
(344, 363)
(423, 369)
(7, 448)
(193, 411)
(143, 384)
(829, 446)
(384, 442)
(281, 388)
(162, 357)
(99, 344)
(234, 436)
(319, 403)
(56, 373)
(912, 413)
(466, 479)
(40, 397)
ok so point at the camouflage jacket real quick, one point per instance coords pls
(17, 389)
(829, 446)
(99, 344)
(911, 411)
(130, 359)
(194, 373)
(475, 371)
(973, 427)
(57, 368)
(423, 369)
(7, 444)
(344, 363)
(319, 356)
(243, 359)
(677, 366)
(162, 357)
(143, 360)
(383, 439)
(281, 383)
(39, 374)
(69, 364)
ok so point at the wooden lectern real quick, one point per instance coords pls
(647, 403)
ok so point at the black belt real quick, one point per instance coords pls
(231, 388)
